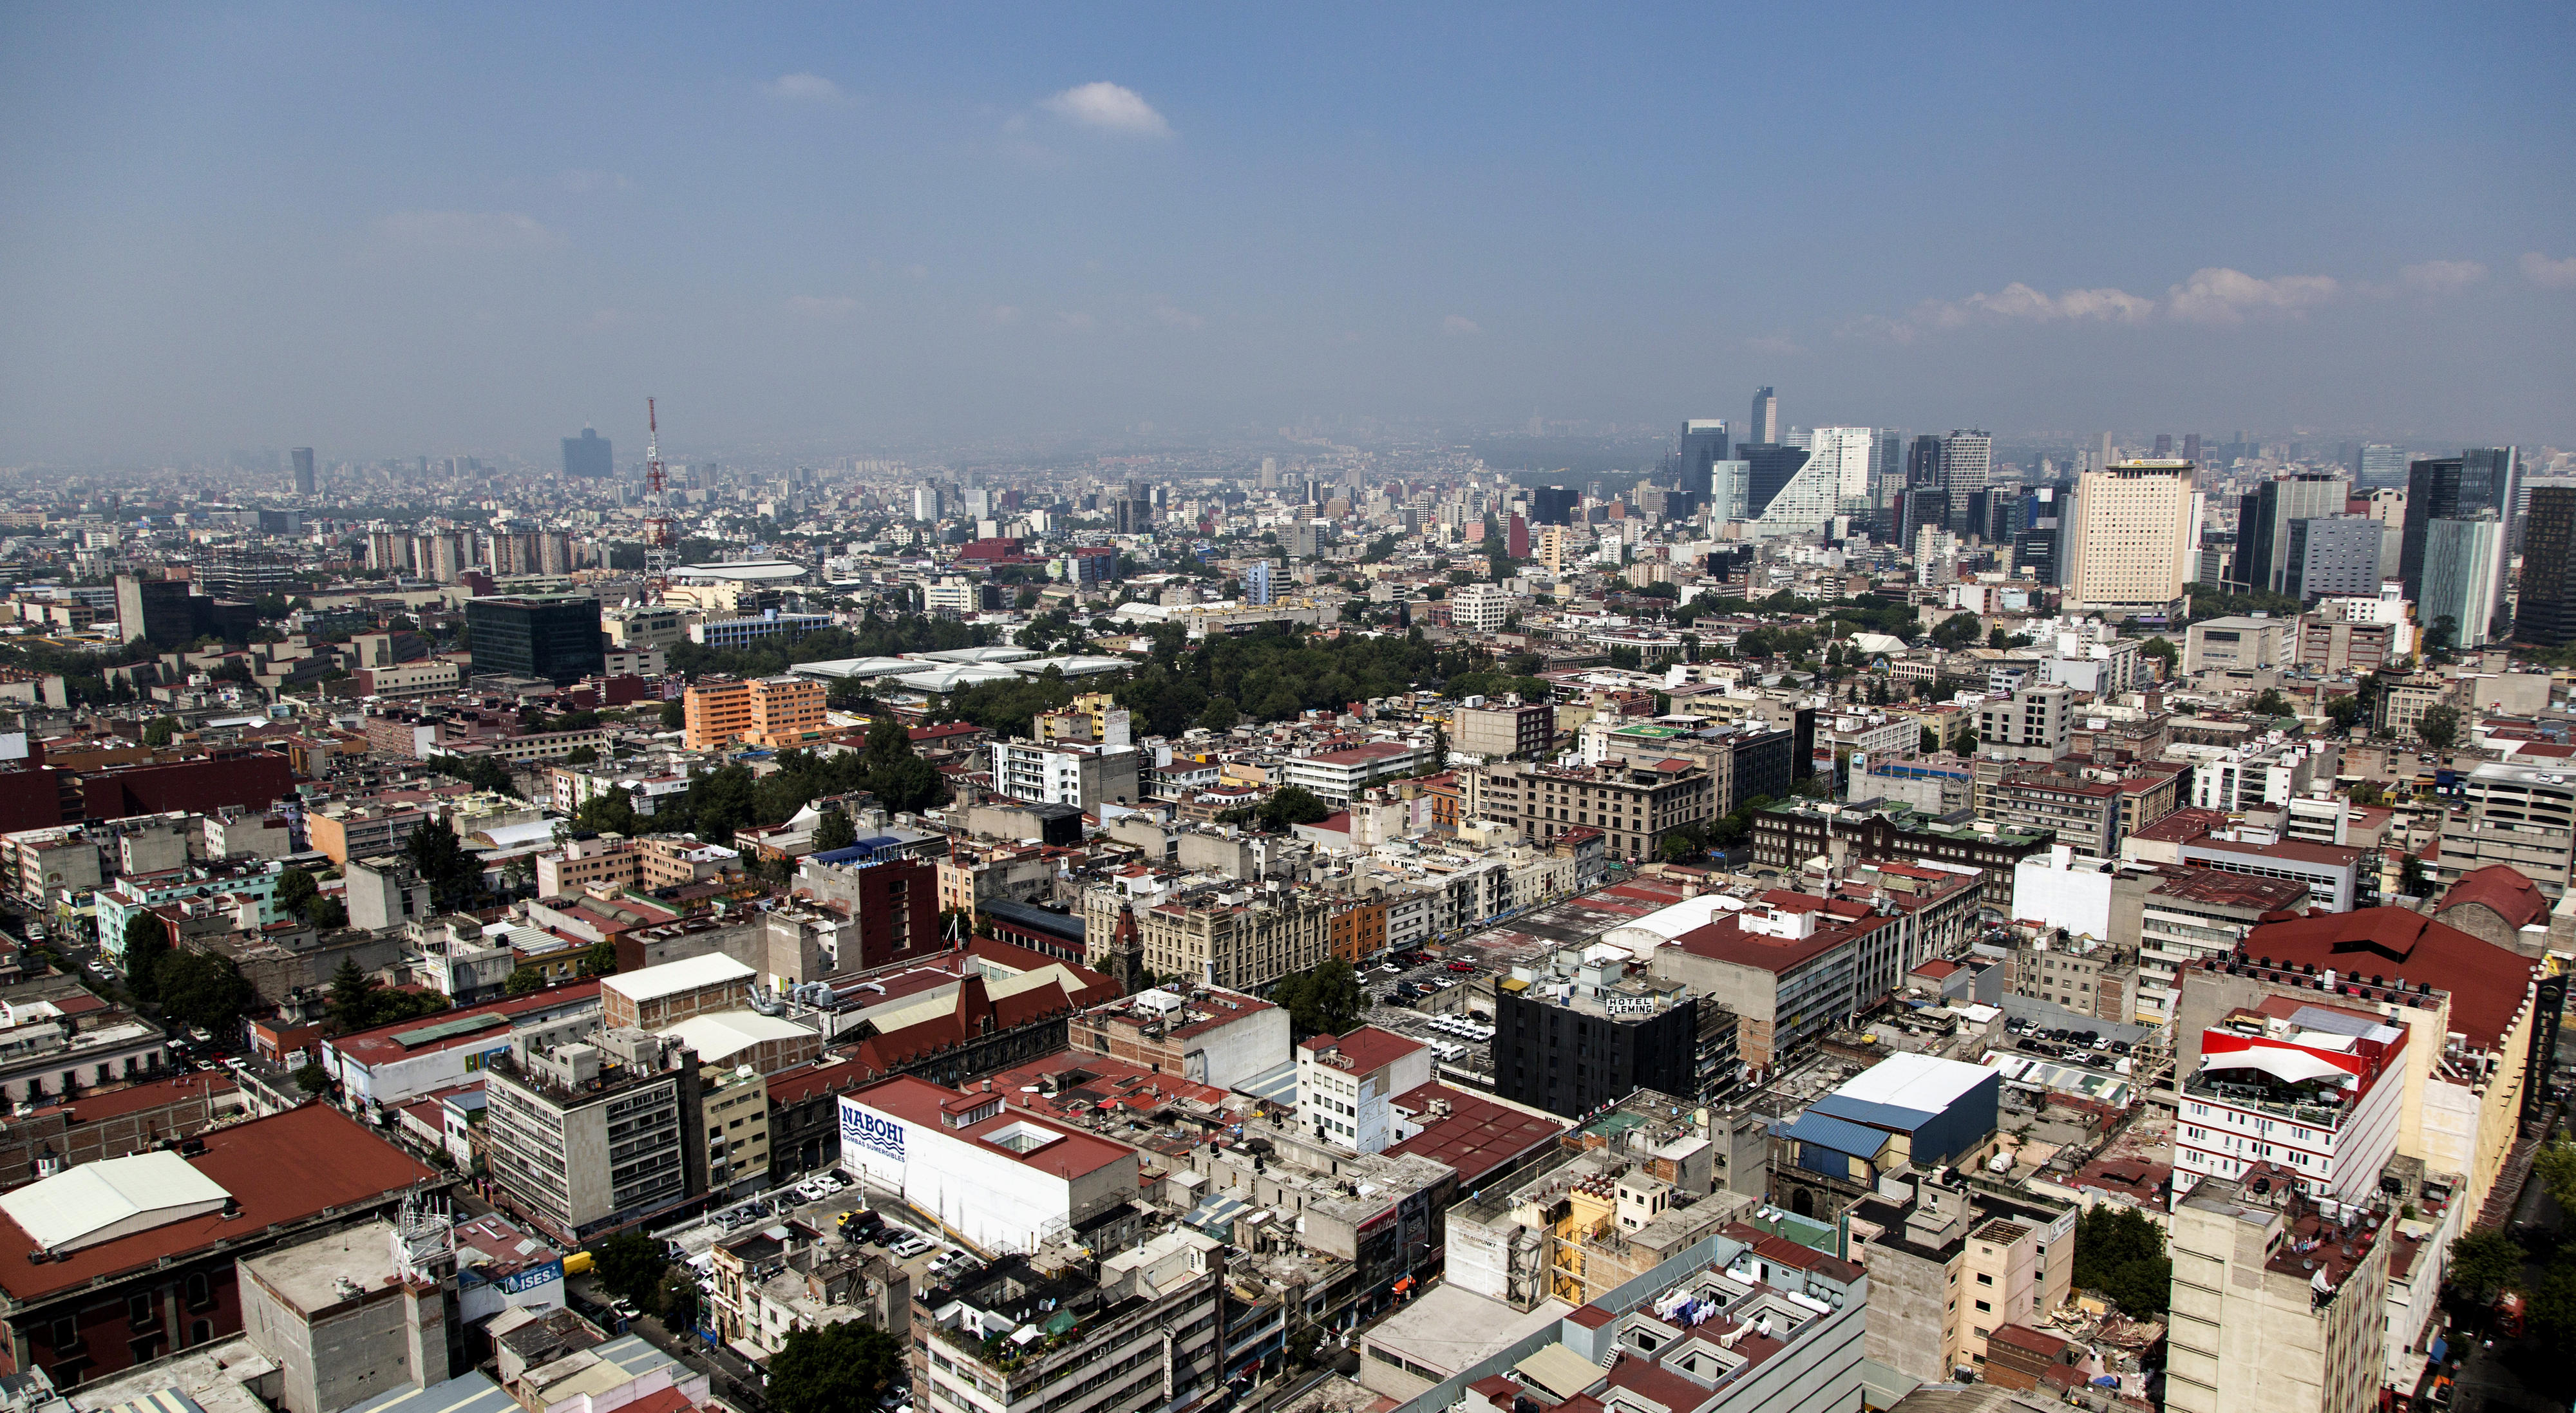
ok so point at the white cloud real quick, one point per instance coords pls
(2210, 296)
(1072, 319)
(806, 88)
(1460, 326)
(581, 182)
(1002, 314)
(2217, 295)
(2442, 276)
(822, 308)
(2551, 274)
(1178, 318)
(1110, 108)
(467, 230)
(917, 272)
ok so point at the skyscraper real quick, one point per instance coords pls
(2379, 464)
(1925, 503)
(1852, 451)
(2164, 446)
(1965, 458)
(2455, 488)
(1258, 584)
(1768, 471)
(2263, 524)
(2546, 616)
(1887, 480)
(586, 457)
(2463, 577)
(2134, 537)
(1703, 446)
(305, 481)
(2191, 447)
(1764, 426)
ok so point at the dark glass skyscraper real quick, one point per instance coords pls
(2546, 617)
(1768, 470)
(1553, 505)
(555, 637)
(1764, 425)
(1703, 446)
(305, 482)
(586, 457)
(2456, 488)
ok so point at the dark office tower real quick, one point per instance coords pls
(305, 481)
(1703, 446)
(153, 609)
(1768, 470)
(555, 637)
(2191, 447)
(2164, 446)
(2332, 554)
(1553, 505)
(2263, 524)
(1926, 503)
(2456, 488)
(1965, 458)
(2376, 464)
(586, 457)
(2547, 615)
(1517, 546)
(1765, 424)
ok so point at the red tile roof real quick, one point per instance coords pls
(90, 1108)
(285, 1168)
(2487, 982)
(1363, 1050)
(2182, 826)
(2504, 889)
(1477, 1137)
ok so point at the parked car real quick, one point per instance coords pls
(1462, 966)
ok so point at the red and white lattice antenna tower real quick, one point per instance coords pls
(658, 538)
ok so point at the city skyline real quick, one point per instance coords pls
(275, 226)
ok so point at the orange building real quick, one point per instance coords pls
(1447, 794)
(775, 712)
(1359, 932)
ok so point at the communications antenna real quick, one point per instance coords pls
(658, 539)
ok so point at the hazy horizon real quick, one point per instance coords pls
(398, 231)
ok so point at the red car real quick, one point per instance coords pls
(1462, 966)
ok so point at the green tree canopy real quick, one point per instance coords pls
(1293, 805)
(147, 941)
(2439, 726)
(1324, 999)
(2121, 1253)
(835, 832)
(2484, 1262)
(453, 875)
(629, 1264)
(840, 1368)
(200, 989)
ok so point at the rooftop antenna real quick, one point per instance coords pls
(658, 538)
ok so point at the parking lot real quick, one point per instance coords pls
(821, 1203)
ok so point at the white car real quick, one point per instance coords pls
(910, 1247)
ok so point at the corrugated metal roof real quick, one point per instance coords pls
(1833, 1133)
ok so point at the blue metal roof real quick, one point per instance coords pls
(1863, 1111)
(1842, 1137)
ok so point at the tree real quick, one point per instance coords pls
(840, 1368)
(312, 1078)
(1959, 630)
(353, 996)
(296, 890)
(674, 716)
(629, 1264)
(2555, 1166)
(439, 857)
(581, 755)
(2272, 703)
(1220, 716)
(2484, 1262)
(676, 1300)
(2121, 1253)
(835, 832)
(2346, 711)
(1293, 805)
(1931, 743)
(599, 959)
(203, 990)
(147, 941)
(2439, 726)
(1325, 999)
(524, 981)
(159, 730)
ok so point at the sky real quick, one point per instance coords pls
(397, 230)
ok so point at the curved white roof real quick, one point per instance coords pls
(749, 571)
(721, 1035)
(2284, 1064)
(102, 1201)
(672, 978)
(995, 653)
(950, 678)
(854, 667)
(1074, 666)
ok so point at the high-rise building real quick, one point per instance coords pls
(2463, 579)
(2456, 488)
(1553, 505)
(1258, 584)
(1887, 482)
(925, 504)
(2546, 615)
(2134, 537)
(154, 609)
(1768, 471)
(2332, 554)
(1851, 453)
(586, 457)
(2191, 447)
(1703, 446)
(1764, 425)
(2379, 464)
(305, 481)
(1517, 545)
(2263, 524)
(555, 637)
(1966, 457)
(2277, 1299)
(2164, 446)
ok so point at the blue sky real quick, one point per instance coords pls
(429, 229)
